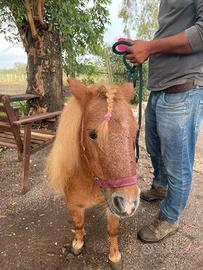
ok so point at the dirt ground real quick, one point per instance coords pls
(34, 227)
(12, 88)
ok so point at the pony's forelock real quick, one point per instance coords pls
(64, 158)
(103, 129)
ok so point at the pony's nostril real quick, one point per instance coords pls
(118, 203)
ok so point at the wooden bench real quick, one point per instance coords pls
(18, 132)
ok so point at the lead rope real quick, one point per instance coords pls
(132, 77)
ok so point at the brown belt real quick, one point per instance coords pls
(180, 88)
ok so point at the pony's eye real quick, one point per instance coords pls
(93, 134)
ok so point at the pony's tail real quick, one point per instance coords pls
(64, 158)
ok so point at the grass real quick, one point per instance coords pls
(22, 106)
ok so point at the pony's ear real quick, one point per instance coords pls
(127, 91)
(78, 90)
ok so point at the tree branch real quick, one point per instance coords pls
(23, 38)
(30, 19)
(40, 8)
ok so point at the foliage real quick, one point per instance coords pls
(119, 72)
(140, 18)
(18, 69)
(22, 106)
(129, 16)
(140, 22)
(80, 22)
(88, 70)
(148, 21)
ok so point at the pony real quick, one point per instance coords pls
(93, 158)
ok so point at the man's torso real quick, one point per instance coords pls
(166, 70)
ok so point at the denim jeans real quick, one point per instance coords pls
(172, 127)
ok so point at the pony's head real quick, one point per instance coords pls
(107, 136)
(95, 138)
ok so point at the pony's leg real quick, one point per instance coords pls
(78, 222)
(113, 227)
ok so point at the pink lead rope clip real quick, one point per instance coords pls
(122, 47)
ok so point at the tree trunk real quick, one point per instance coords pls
(44, 67)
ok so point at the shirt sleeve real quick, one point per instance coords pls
(195, 32)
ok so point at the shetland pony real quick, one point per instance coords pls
(93, 159)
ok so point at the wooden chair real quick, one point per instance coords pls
(17, 133)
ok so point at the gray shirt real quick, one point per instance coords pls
(166, 70)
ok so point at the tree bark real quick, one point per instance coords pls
(44, 66)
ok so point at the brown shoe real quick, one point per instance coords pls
(153, 194)
(157, 230)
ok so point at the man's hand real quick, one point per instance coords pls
(139, 52)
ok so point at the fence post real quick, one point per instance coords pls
(109, 69)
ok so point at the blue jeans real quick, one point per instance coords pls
(172, 127)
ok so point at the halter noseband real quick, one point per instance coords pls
(103, 183)
(114, 183)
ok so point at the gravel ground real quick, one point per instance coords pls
(34, 227)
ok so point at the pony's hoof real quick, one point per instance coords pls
(116, 265)
(75, 251)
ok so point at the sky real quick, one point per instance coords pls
(12, 53)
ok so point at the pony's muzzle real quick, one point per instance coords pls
(123, 206)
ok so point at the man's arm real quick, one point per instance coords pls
(141, 49)
(187, 42)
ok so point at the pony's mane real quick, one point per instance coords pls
(64, 158)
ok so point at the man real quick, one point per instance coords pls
(174, 110)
